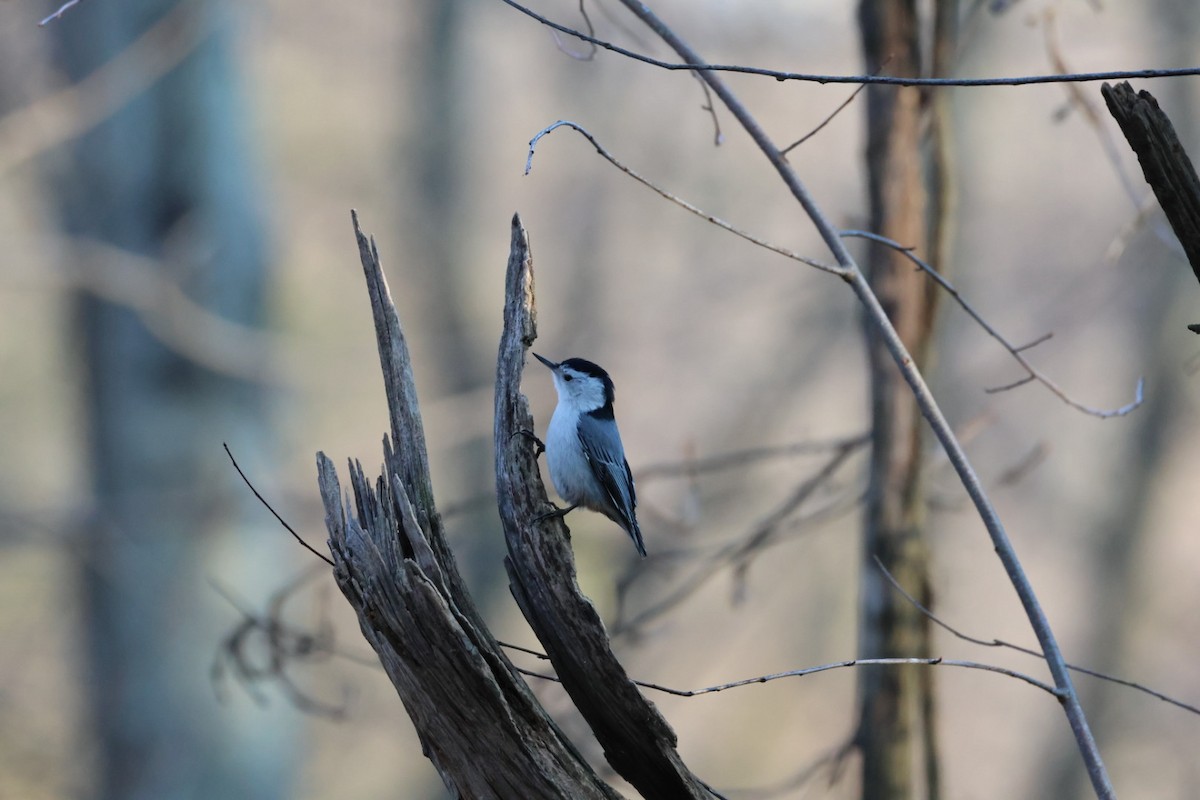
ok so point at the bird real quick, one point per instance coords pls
(583, 446)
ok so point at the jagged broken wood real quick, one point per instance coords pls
(1164, 161)
(477, 720)
(637, 741)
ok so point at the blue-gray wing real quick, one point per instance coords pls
(602, 445)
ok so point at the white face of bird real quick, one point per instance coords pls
(581, 385)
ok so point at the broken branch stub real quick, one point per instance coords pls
(637, 741)
(477, 720)
(1164, 161)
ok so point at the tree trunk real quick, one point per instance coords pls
(394, 567)
(167, 180)
(909, 197)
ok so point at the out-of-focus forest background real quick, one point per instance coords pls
(270, 120)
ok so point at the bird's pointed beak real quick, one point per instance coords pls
(546, 361)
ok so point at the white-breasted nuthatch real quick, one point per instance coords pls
(583, 447)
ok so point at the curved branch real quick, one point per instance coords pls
(1033, 373)
(930, 409)
(841, 272)
(936, 620)
(854, 662)
(702, 67)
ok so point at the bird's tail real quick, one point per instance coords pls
(635, 533)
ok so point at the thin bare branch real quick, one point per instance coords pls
(936, 620)
(691, 467)
(1017, 472)
(737, 555)
(828, 119)
(1033, 372)
(1144, 204)
(1089, 752)
(800, 673)
(862, 662)
(718, 137)
(521, 649)
(562, 46)
(1009, 386)
(1045, 337)
(274, 513)
(64, 8)
(1090, 110)
(285, 645)
(741, 458)
(855, 662)
(1020, 80)
(720, 223)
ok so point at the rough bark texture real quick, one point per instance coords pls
(1164, 162)
(479, 724)
(637, 741)
(909, 195)
(477, 720)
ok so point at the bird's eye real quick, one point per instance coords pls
(568, 378)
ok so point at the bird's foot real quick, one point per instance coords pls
(538, 444)
(558, 513)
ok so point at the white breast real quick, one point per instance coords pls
(569, 468)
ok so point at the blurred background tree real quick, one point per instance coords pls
(166, 183)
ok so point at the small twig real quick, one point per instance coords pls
(64, 8)
(708, 569)
(1009, 386)
(828, 119)
(1033, 372)
(521, 649)
(1032, 460)
(720, 223)
(282, 522)
(718, 137)
(825, 121)
(741, 458)
(739, 553)
(285, 645)
(688, 467)
(590, 54)
(855, 662)
(1021, 80)
(1091, 113)
(1045, 337)
(1026, 650)
(926, 402)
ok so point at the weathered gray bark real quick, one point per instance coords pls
(909, 194)
(167, 177)
(479, 724)
(637, 741)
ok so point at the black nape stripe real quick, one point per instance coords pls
(582, 365)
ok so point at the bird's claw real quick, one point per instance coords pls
(557, 513)
(538, 444)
